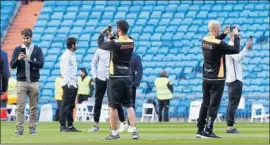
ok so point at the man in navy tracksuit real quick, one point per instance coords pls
(4, 71)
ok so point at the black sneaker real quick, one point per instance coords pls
(19, 133)
(209, 135)
(233, 131)
(73, 129)
(64, 129)
(112, 137)
(199, 134)
(135, 135)
(33, 132)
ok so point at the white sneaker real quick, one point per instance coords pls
(130, 129)
(94, 129)
(123, 127)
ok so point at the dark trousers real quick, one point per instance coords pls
(101, 87)
(234, 92)
(163, 105)
(212, 94)
(120, 110)
(82, 98)
(57, 113)
(68, 104)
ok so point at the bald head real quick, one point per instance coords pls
(214, 26)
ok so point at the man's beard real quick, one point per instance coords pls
(27, 44)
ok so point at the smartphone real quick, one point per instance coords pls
(250, 37)
(109, 28)
(23, 50)
(231, 28)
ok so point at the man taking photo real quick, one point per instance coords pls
(120, 83)
(214, 75)
(234, 82)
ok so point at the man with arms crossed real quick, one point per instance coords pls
(120, 83)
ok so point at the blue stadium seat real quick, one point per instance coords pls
(126, 3)
(70, 16)
(168, 15)
(57, 15)
(134, 8)
(51, 58)
(141, 22)
(152, 22)
(60, 43)
(63, 30)
(102, 3)
(75, 3)
(83, 44)
(191, 14)
(183, 7)
(171, 29)
(145, 37)
(86, 8)
(95, 15)
(164, 22)
(205, 7)
(202, 14)
(179, 15)
(144, 15)
(47, 37)
(147, 8)
(47, 92)
(85, 37)
(227, 8)
(130, 22)
(73, 8)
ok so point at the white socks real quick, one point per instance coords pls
(133, 129)
(114, 132)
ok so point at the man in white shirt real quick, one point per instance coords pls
(100, 73)
(234, 82)
(68, 67)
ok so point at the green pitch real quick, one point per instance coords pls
(150, 133)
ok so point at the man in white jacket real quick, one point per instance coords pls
(234, 81)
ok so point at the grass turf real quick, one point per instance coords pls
(150, 133)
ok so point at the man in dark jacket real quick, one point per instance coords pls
(28, 59)
(214, 75)
(4, 71)
(136, 73)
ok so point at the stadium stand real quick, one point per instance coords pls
(167, 35)
(8, 12)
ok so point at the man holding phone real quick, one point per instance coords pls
(214, 51)
(28, 59)
(234, 82)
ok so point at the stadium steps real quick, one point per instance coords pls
(25, 18)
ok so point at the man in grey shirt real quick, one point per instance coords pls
(100, 73)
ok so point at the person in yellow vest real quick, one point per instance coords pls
(58, 95)
(12, 95)
(164, 90)
(85, 86)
